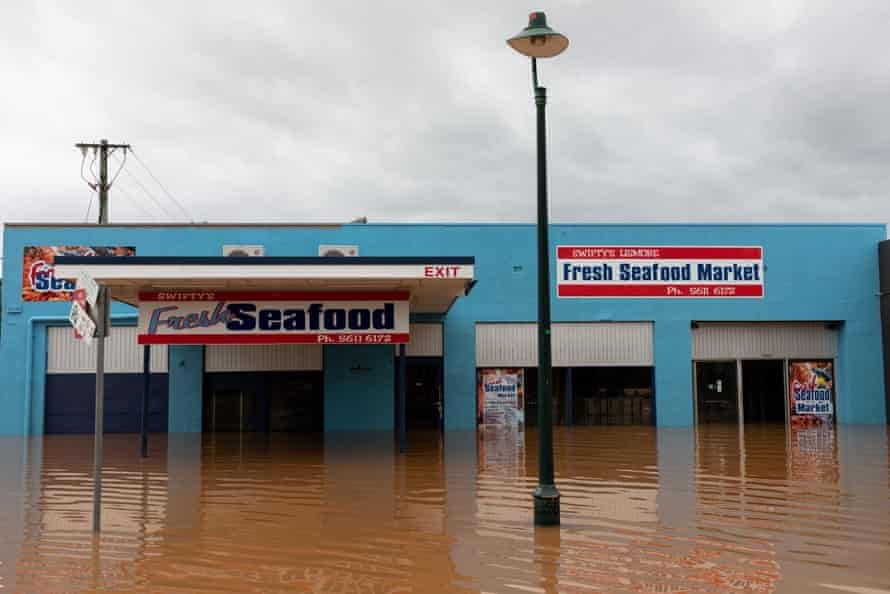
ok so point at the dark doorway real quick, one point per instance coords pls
(763, 391)
(717, 391)
(612, 396)
(424, 406)
(290, 401)
(296, 402)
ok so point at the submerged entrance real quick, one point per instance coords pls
(423, 393)
(716, 385)
(263, 401)
(763, 391)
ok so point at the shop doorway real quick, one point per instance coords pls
(611, 396)
(424, 405)
(763, 391)
(231, 411)
(244, 402)
(716, 388)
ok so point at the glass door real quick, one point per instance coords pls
(232, 411)
(717, 394)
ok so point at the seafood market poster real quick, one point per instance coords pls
(39, 282)
(499, 398)
(811, 393)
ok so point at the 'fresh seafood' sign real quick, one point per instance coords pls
(654, 271)
(233, 317)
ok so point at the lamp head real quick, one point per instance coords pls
(538, 40)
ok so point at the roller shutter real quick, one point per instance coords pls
(262, 357)
(792, 340)
(425, 340)
(575, 344)
(65, 354)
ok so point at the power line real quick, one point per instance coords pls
(163, 187)
(135, 202)
(119, 169)
(86, 217)
(148, 193)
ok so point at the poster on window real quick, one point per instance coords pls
(500, 401)
(39, 281)
(811, 393)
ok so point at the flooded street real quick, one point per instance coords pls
(644, 510)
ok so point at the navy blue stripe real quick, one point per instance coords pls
(262, 261)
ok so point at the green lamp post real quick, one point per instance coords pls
(538, 40)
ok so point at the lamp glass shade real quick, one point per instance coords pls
(538, 40)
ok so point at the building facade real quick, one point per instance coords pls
(636, 340)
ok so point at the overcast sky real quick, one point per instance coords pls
(418, 111)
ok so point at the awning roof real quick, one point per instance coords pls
(433, 282)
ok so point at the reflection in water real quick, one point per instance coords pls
(719, 509)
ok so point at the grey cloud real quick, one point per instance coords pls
(419, 111)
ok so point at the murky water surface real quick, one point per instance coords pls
(644, 510)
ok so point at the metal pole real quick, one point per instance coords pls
(402, 381)
(546, 495)
(146, 391)
(103, 182)
(101, 330)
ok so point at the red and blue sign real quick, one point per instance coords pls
(659, 271)
(249, 317)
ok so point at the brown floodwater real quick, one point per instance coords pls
(643, 510)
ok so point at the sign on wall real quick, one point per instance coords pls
(811, 393)
(659, 272)
(39, 281)
(241, 317)
(500, 399)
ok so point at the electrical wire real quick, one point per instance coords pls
(163, 187)
(136, 203)
(147, 192)
(86, 218)
(83, 160)
(93, 162)
(92, 185)
(113, 179)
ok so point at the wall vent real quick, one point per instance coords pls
(338, 251)
(244, 251)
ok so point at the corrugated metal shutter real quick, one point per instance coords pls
(603, 344)
(425, 341)
(123, 354)
(506, 345)
(262, 357)
(574, 344)
(764, 341)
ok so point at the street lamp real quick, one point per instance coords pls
(538, 40)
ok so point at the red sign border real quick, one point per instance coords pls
(199, 295)
(668, 252)
(658, 291)
(305, 338)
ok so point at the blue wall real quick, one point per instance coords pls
(359, 387)
(813, 272)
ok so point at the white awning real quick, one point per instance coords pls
(433, 283)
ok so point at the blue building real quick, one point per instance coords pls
(653, 324)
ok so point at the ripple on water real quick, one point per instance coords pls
(643, 510)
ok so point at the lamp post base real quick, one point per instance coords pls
(546, 505)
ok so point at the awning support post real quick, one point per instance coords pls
(570, 397)
(146, 391)
(401, 392)
(102, 323)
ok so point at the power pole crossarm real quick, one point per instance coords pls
(102, 185)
